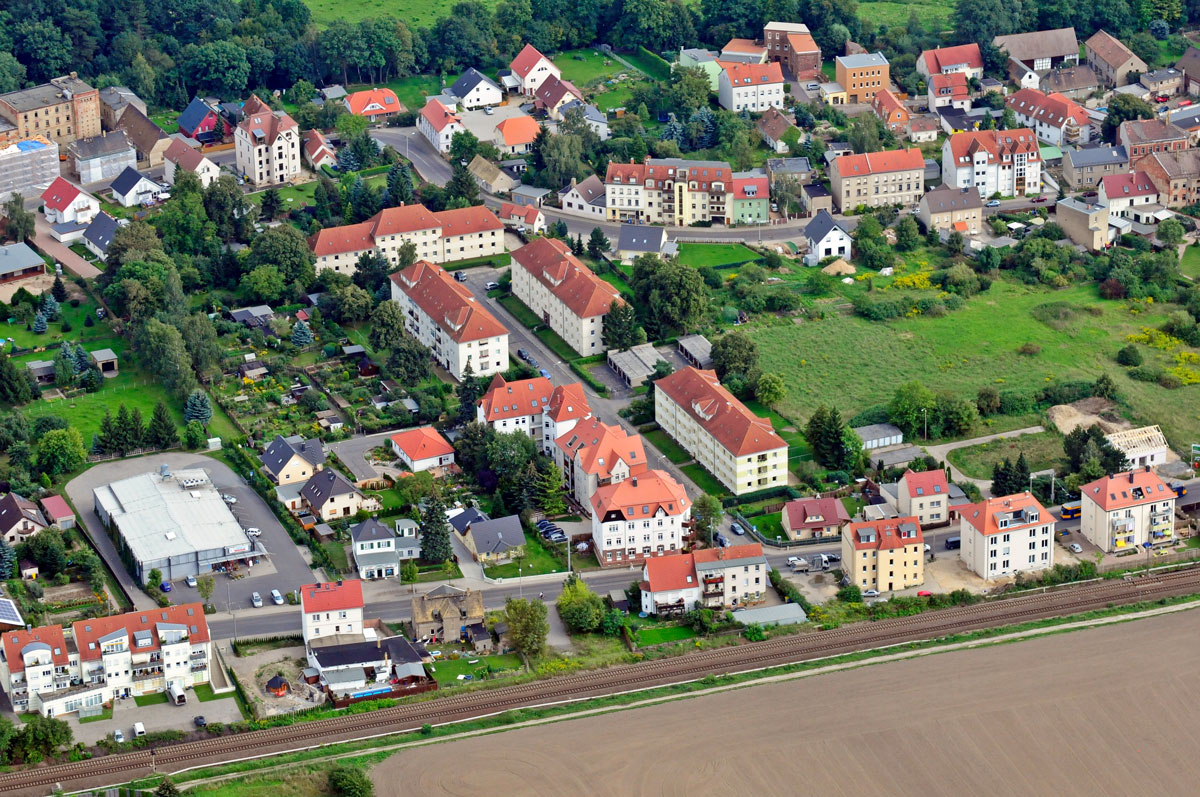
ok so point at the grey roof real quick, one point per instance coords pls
(1057, 43)
(697, 54)
(282, 449)
(354, 349)
(101, 231)
(530, 191)
(698, 346)
(499, 535)
(1096, 156)
(727, 556)
(860, 60)
(334, 92)
(1161, 75)
(118, 96)
(1185, 117)
(636, 238)
(788, 165)
(51, 93)
(469, 80)
(102, 145)
(465, 518)
(376, 558)
(876, 431)
(40, 367)
(945, 199)
(816, 190)
(590, 112)
(1075, 78)
(592, 190)
(821, 225)
(127, 180)
(348, 654)
(783, 614)
(252, 316)
(1078, 205)
(104, 355)
(371, 529)
(193, 115)
(18, 257)
(324, 485)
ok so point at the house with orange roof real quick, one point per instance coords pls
(809, 518)
(750, 87)
(181, 156)
(884, 555)
(422, 448)
(714, 578)
(1057, 120)
(926, 495)
(375, 104)
(266, 145)
(669, 191)
(562, 291)
(593, 454)
(965, 59)
(792, 44)
(529, 217)
(530, 69)
(515, 135)
(535, 407)
(750, 200)
(742, 450)
(891, 111)
(447, 318)
(1126, 511)
(949, 91)
(1005, 162)
(439, 124)
(639, 518)
(1006, 536)
(894, 177)
(744, 51)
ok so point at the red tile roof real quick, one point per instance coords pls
(56, 508)
(438, 115)
(60, 194)
(259, 118)
(526, 213)
(331, 596)
(52, 635)
(740, 74)
(884, 535)
(1128, 185)
(733, 553)
(1050, 109)
(895, 160)
(518, 130)
(183, 156)
(675, 571)
(87, 632)
(953, 85)
(759, 184)
(802, 43)
(404, 219)
(743, 46)
(550, 262)
(1109, 49)
(314, 144)
(996, 143)
(625, 173)
(340, 240)
(526, 60)
(467, 221)
(641, 497)
(1123, 490)
(423, 442)
(890, 109)
(804, 513)
(508, 400)
(944, 57)
(374, 102)
(985, 516)
(925, 483)
(400, 221)
(598, 446)
(450, 305)
(568, 401)
(702, 396)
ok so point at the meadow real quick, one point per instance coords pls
(417, 13)
(1042, 450)
(716, 255)
(934, 14)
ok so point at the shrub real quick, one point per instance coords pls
(1145, 373)
(850, 594)
(1029, 350)
(1015, 402)
(754, 633)
(1129, 356)
(350, 782)
(1169, 381)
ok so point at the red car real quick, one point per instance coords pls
(924, 594)
(1184, 103)
(1162, 98)
(1038, 199)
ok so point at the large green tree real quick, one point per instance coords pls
(670, 297)
(527, 626)
(60, 451)
(435, 530)
(734, 353)
(621, 328)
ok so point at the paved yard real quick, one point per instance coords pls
(159, 717)
(484, 126)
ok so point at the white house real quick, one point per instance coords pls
(1128, 510)
(422, 448)
(329, 609)
(475, 90)
(534, 407)
(1005, 536)
(587, 199)
(925, 495)
(639, 518)
(179, 156)
(266, 145)
(531, 69)
(439, 124)
(1055, 119)
(65, 203)
(377, 549)
(134, 188)
(750, 87)
(1123, 194)
(1146, 445)
(826, 238)
(1007, 162)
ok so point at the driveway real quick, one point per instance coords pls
(428, 162)
(352, 453)
(72, 262)
(285, 569)
(985, 485)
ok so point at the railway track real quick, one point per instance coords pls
(108, 769)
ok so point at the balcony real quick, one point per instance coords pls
(198, 655)
(1122, 525)
(146, 675)
(201, 667)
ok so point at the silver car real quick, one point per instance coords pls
(256, 600)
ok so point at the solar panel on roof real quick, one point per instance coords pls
(9, 613)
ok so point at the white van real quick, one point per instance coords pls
(175, 691)
(138, 729)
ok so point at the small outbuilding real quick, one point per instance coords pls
(106, 362)
(879, 435)
(278, 686)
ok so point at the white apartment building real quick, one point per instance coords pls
(266, 145)
(439, 124)
(1006, 536)
(534, 407)
(1128, 510)
(56, 671)
(1007, 162)
(330, 609)
(639, 518)
(740, 449)
(669, 191)
(447, 318)
(926, 495)
(563, 292)
(750, 87)
(873, 179)
(593, 454)
(1055, 119)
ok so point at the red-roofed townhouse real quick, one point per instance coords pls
(809, 518)
(439, 124)
(318, 151)
(375, 104)
(669, 585)
(531, 69)
(751, 200)
(331, 608)
(65, 203)
(534, 407)
(266, 144)
(964, 59)
(625, 191)
(895, 177)
(1055, 119)
(740, 449)
(594, 454)
(1005, 162)
(1006, 536)
(563, 292)
(36, 663)
(528, 217)
(714, 578)
(750, 87)
(884, 555)
(639, 518)
(791, 43)
(891, 111)
(949, 91)
(181, 157)
(422, 448)
(447, 318)
(1123, 194)
(1128, 510)
(925, 494)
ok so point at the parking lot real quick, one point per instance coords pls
(158, 717)
(483, 124)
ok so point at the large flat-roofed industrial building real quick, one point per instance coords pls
(175, 522)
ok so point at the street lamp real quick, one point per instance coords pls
(925, 415)
(520, 579)
(229, 604)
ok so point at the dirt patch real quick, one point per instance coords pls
(1086, 412)
(35, 285)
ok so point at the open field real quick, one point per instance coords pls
(934, 14)
(586, 65)
(416, 13)
(1042, 450)
(839, 359)
(715, 255)
(987, 734)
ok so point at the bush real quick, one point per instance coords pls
(850, 594)
(1029, 350)
(1015, 402)
(1169, 381)
(1145, 373)
(1129, 356)
(754, 633)
(350, 782)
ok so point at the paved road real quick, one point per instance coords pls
(429, 163)
(940, 453)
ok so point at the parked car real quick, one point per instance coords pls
(720, 540)
(229, 499)
(276, 597)
(460, 276)
(118, 736)
(1038, 199)
(253, 532)
(993, 203)
(774, 207)
(813, 87)
(165, 586)
(489, 110)
(533, 363)
(1076, 547)
(1184, 103)
(870, 593)
(200, 722)
(190, 581)
(256, 600)
(558, 536)
(491, 286)
(138, 729)
(736, 528)
(544, 373)
(1164, 108)
(1089, 193)
(924, 594)
(543, 523)
(833, 557)
(523, 355)
(928, 548)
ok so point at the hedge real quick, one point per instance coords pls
(788, 591)
(496, 261)
(583, 373)
(770, 492)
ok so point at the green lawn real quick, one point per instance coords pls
(613, 97)
(934, 14)
(518, 308)
(412, 90)
(585, 66)
(167, 120)
(94, 337)
(337, 552)
(416, 13)
(716, 255)
(446, 671)
(537, 561)
(151, 700)
(648, 62)
(1190, 264)
(556, 344)
(106, 714)
(615, 280)
(1042, 450)
(668, 447)
(704, 480)
(770, 525)
(204, 693)
(666, 633)
(838, 358)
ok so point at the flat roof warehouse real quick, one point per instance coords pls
(176, 522)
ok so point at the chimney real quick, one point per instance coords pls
(635, 481)
(1131, 477)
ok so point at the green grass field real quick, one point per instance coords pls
(446, 671)
(416, 13)
(715, 255)
(93, 337)
(585, 66)
(519, 309)
(934, 14)
(838, 359)
(1042, 450)
(667, 633)
(770, 526)
(536, 562)
(667, 446)
(704, 480)
(1190, 264)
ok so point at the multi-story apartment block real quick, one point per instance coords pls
(1141, 137)
(895, 177)
(439, 124)
(884, 555)
(1111, 59)
(750, 87)
(330, 609)
(27, 167)
(55, 671)
(669, 191)
(1176, 175)
(447, 318)
(1005, 162)
(714, 578)
(965, 58)
(266, 145)
(1084, 222)
(1126, 511)
(639, 518)
(563, 292)
(594, 454)
(63, 110)
(742, 450)
(925, 495)
(439, 237)
(1055, 119)
(791, 44)
(1006, 536)
(533, 406)
(862, 75)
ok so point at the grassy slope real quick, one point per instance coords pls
(417, 13)
(934, 14)
(1042, 450)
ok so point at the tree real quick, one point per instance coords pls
(348, 303)
(707, 514)
(39, 324)
(908, 236)
(435, 531)
(161, 433)
(198, 407)
(64, 366)
(302, 334)
(58, 290)
(527, 626)
(39, 737)
(8, 560)
(579, 607)
(550, 491)
(987, 401)
(597, 243)
(1122, 108)
(162, 347)
(166, 788)
(1129, 355)
(47, 550)
(911, 406)
(387, 325)
(462, 185)
(563, 156)
(14, 386)
(271, 204)
(285, 248)
(60, 451)
(107, 440)
(399, 185)
(82, 361)
(194, 435)
(408, 361)
(263, 284)
(19, 222)
(734, 353)
(1170, 232)
(350, 781)
(770, 389)
(670, 297)
(621, 329)
(851, 593)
